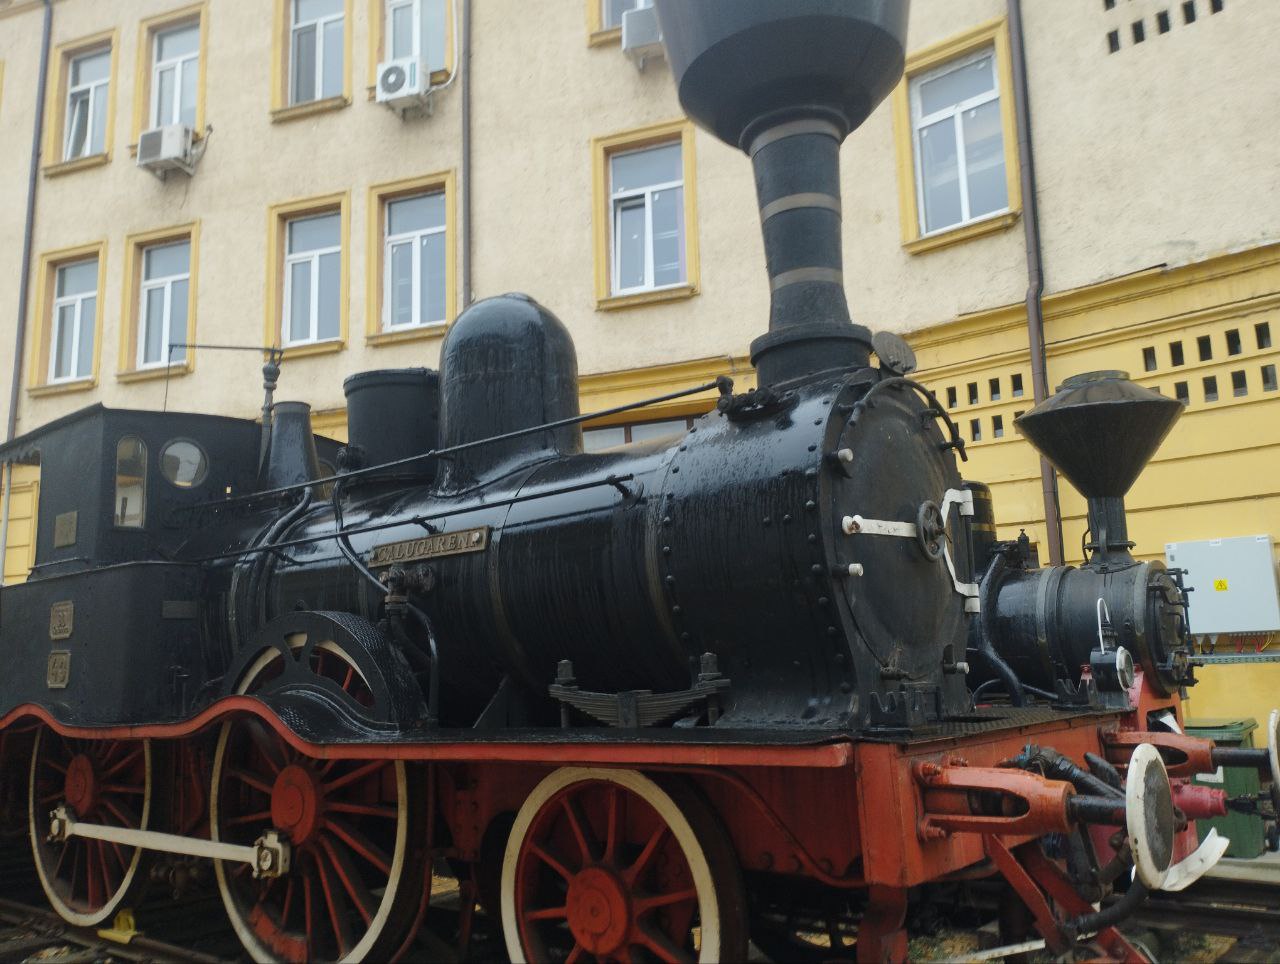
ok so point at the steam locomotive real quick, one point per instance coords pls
(647, 703)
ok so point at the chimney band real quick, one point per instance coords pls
(804, 199)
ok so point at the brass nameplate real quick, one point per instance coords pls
(64, 529)
(62, 619)
(429, 547)
(59, 672)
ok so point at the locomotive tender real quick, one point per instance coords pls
(644, 703)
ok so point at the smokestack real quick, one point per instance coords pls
(787, 83)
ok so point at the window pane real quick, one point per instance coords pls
(658, 165)
(311, 9)
(611, 11)
(629, 243)
(77, 125)
(668, 236)
(63, 338)
(88, 316)
(98, 126)
(401, 26)
(183, 463)
(940, 175)
(433, 252)
(177, 320)
(300, 301)
(304, 65)
(166, 259)
(164, 97)
(331, 84)
(984, 159)
(400, 301)
(595, 439)
(415, 213)
(76, 279)
(131, 482)
(309, 234)
(178, 43)
(956, 85)
(330, 294)
(651, 430)
(90, 68)
(434, 33)
(187, 104)
(153, 326)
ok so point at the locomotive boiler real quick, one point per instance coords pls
(646, 703)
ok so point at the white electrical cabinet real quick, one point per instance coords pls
(1234, 581)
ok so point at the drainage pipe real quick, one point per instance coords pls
(1035, 267)
(24, 280)
(464, 68)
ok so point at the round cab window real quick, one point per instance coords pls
(184, 464)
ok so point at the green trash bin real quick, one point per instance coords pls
(1245, 831)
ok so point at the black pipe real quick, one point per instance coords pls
(28, 231)
(1035, 267)
(1110, 915)
(1241, 756)
(986, 634)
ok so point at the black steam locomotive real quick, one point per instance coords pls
(460, 600)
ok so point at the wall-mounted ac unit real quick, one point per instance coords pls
(641, 36)
(168, 148)
(402, 83)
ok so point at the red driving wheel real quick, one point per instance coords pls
(607, 865)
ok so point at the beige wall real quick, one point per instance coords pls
(1161, 153)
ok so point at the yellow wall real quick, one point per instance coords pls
(1243, 691)
(24, 499)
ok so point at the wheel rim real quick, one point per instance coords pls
(603, 865)
(100, 781)
(347, 822)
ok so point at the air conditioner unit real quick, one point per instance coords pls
(641, 36)
(167, 148)
(402, 83)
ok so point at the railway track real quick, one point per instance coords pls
(29, 933)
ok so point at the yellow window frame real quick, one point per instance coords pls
(197, 13)
(56, 102)
(278, 215)
(602, 149)
(994, 34)
(379, 196)
(42, 331)
(127, 368)
(378, 42)
(281, 109)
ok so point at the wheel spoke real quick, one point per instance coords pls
(126, 819)
(337, 911)
(578, 824)
(91, 878)
(54, 764)
(257, 817)
(267, 745)
(288, 903)
(385, 811)
(575, 954)
(244, 776)
(658, 942)
(644, 905)
(108, 889)
(351, 880)
(614, 822)
(550, 861)
(121, 764)
(547, 913)
(361, 844)
(632, 873)
(359, 773)
(130, 789)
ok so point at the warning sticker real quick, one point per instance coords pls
(1219, 585)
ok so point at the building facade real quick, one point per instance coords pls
(348, 234)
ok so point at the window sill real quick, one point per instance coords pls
(610, 35)
(283, 114)
(79, 164)
(62, 388)
(407, 334)
(315, 348)
(674, 293)
(965, 232)
(149, 374)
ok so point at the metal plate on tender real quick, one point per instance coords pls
(64, 529)
(429, 547)
(59, 672)
(62, 619)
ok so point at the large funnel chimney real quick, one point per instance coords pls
(1099, 430)
(787, 83)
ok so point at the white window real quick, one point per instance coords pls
(596, 439)
(414, 262)
(174, 74)
(416, 29)
(87, 80)
(611, 11)
(316, 50)
(162, 312)
(959, 143)
(313, 279)
(75, 311)
(646, 189)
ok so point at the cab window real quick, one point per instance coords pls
(131, 483)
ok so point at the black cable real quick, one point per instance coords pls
(344, 541)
